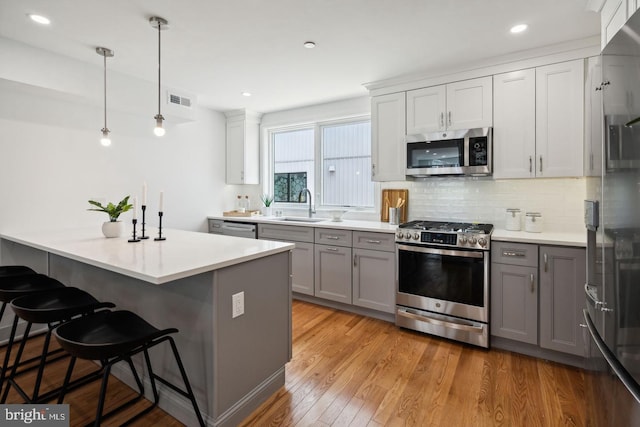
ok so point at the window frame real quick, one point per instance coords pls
(317, 127)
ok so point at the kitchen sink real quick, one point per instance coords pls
(300, 219)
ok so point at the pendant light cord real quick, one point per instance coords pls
(159, 67)
(105, 90)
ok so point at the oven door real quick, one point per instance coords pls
(445, 281)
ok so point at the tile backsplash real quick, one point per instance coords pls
(559, 200)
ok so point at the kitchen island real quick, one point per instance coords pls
(187, 281)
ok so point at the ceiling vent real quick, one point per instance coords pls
(181, 100)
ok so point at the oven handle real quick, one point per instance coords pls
(464, 254)
(468, 328)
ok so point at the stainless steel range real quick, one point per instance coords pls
(443, 279)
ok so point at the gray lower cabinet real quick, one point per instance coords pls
(537, 295)
(514, 302)
(514, 291)
(302, 259)
(373, 279)
(562, 278)
(374, 270)
(333, 273)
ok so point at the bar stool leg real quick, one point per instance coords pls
(190, 394)
(67, 378)
(16, 362)
(7, 355)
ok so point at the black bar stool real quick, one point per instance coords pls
(114, 336)
(8, 274)
(12, 287)
(52, 308)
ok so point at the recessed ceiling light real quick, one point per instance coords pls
(39, 19)
(246, 93)
(309, 45)
(518, 28)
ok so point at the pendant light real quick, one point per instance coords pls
(160, 24)
(104, 52)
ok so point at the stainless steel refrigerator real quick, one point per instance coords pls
(612, 219)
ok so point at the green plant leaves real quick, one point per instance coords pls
(112, 210)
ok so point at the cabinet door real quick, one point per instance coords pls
(562, 278)
(388, 153)
(333, 273)
(612, 18)
(593, 118)
(235, 152)
(302, 268)
(426, 110)
(559, 119)
(374, 274)
(469, 104)
(514, 118)
(514, 302)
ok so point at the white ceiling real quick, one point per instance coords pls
(220, 48)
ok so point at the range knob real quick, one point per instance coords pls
(482, 242)
(472, 240)
(399, 235)
(462, 239)
(416, 236)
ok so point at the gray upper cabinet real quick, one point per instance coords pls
(562, 278)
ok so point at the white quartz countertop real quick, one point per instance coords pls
(347, 224)
(544, 238)
(182, 254)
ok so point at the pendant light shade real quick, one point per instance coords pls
(105, 53)
(160, 24)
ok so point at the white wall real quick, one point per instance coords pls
(51, 161)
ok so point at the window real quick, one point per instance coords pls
(332, 159)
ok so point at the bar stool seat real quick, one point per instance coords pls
(13, 285)
(114, 336)
(51, 307)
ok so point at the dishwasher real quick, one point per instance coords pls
(233, 228)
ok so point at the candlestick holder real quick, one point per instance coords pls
(160, 228)
(134, 239)
(142, 236)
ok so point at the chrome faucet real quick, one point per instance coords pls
(308, 195)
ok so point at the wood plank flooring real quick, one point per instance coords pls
(350, 370)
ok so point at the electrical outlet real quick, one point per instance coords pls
(237, 305)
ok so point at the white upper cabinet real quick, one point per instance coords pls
(460, 105)
(560, 119)
(538, 124)
(243, 148)
(388, 116)
(612, 17)
(514, 131)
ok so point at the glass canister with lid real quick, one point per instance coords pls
(513, 219)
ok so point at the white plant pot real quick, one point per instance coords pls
(112, 229)
(267, 211)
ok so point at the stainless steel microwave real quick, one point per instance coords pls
(457, 152)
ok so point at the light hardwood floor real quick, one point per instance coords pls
(350, 370)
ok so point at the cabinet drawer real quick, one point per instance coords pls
(374, 241)
(514, 253)
(285, 232)
(333, 236)
(215, 226)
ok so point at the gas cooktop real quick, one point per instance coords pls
(442, 233)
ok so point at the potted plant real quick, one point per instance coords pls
(267, 200)
(113, 227)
